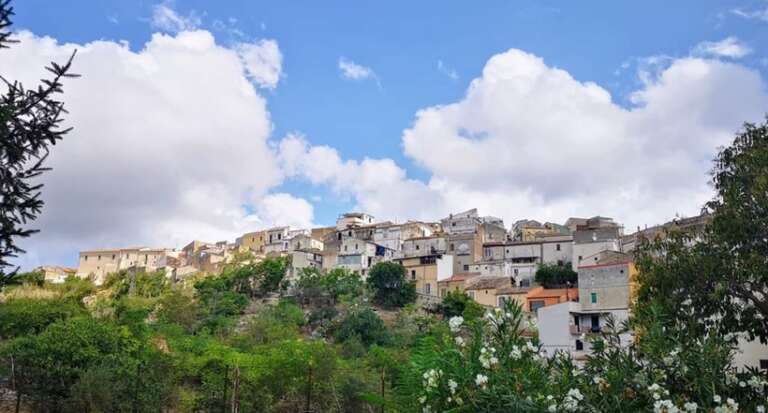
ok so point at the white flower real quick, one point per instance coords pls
(423, 399)
(515, 353)
(717, 399)
(576, 394)
(531, 347)
(459, 341)
(552, 408)
(549, 397)
(760, 409)
(668, 360)
(481, 380)
(455, 323)
(597, 379)
(665, 406)
(690, 407)
(452, 385)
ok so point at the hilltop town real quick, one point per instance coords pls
(465, 252)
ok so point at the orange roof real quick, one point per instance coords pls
(553, 292)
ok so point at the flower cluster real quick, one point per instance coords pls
(487, 357)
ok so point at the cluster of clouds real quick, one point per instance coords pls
(174, 142)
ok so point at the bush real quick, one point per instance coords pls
(364, 325)
(553, 275)
(458, 303)
(20, 317)
(389, 286)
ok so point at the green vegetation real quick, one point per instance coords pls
(389, 286)
(459, 304)
(553, 275)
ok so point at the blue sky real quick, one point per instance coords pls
(420, 54)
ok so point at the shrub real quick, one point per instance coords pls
(365, 325)
(389, 286)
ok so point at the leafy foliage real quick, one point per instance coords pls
(553, 275)
(30, 123)
(365, 325)
(720, 273)
(21, 317)
(389, 286)
(458, 303)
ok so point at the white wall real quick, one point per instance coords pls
(750, 353)
(591, 248)
(444, 267)
(554, 327)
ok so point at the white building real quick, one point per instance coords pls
(359, 255)
(353, 219)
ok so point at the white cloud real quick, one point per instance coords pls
(165, 18)
(444, 69)
(286, 209)
(354, 71)
(170, 143)
(263, 62)
(730, 47)
(529, 140)
(752, 14)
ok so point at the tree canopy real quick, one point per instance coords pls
(389, 286)
(30, 123)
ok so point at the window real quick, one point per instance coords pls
(516, 271)
(451, 247)
(98, 258)
(428, 288)
(536, 304)
(502, 300)
(443, 291)
(279, 236)
(356, 247)
(349, 233)
(579, 345)
(579, 257)
(557, 247)
(417, 247)
(113, 256)
(85, 258)
(466, 267)
(471, 294)
(345, 248)
(595, 324)
(593, 298)
(413, 274)
(764, 364)
(559, 263)
(453, 224)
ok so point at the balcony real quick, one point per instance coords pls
(578, 330)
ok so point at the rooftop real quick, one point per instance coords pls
(488, 282)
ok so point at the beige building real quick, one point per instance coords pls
(426, 271)
(56, 274)
(483, 289)
(254, 241)
(516, 294)
(455, 282)
(99, 263)
(304, 242)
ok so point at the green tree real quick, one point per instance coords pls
(176, 307)
(46, 366)
(458, 303)
(553, 275)
(389, 286)
(30, 123)
(720, 273)
(364, 324)
(24, 316)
